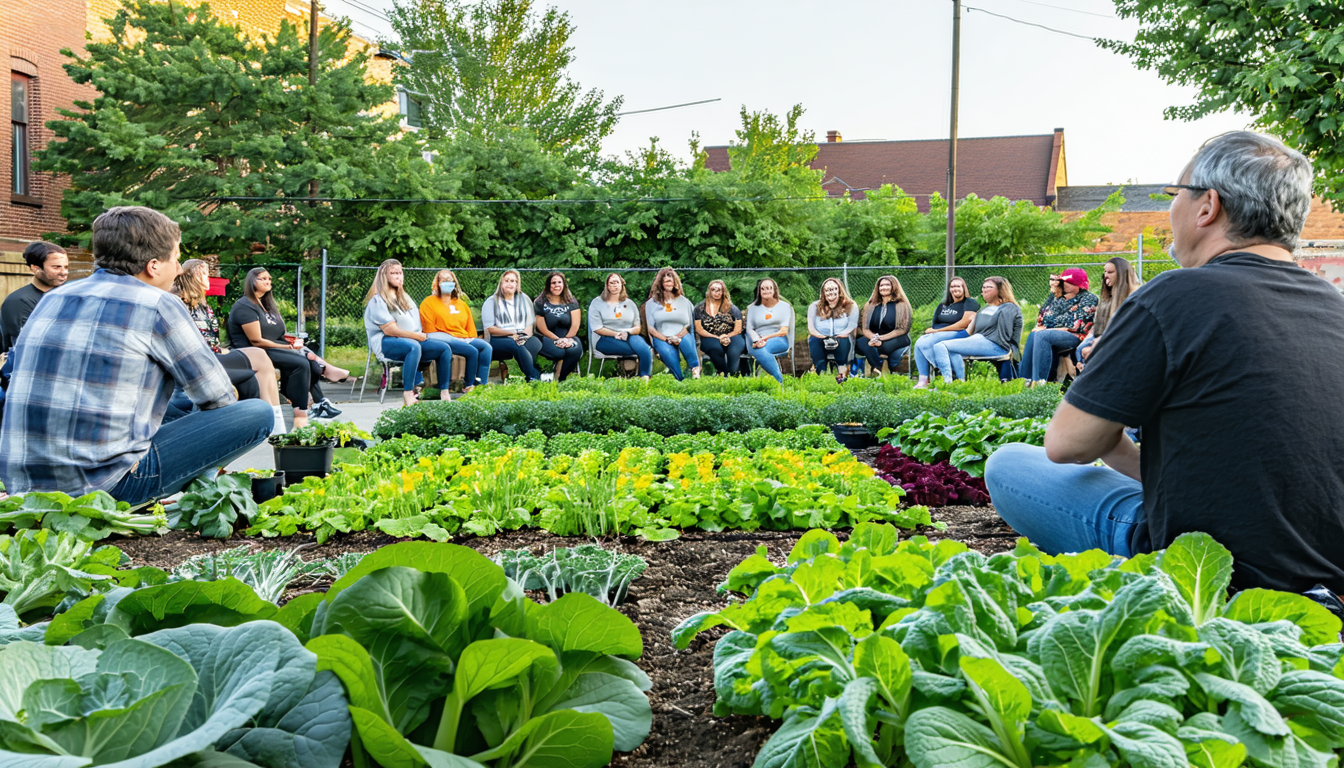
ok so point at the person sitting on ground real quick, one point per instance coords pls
(614, 320)
(510, 321)
(719, 325)
(1118, 281)
(769, 327)
(1232, 398)
(886, 325)
(255, 321)
(392, 325)
(445, 316)
(994, 332)
(950, 321)
(1063, 323)
(558, 319)
(249, 369)
(671, 317)
(50, 268)
(832, 322)
(94, 368)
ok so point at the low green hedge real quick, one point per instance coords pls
(687, 415)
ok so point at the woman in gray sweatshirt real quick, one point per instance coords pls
(613, 321)
(671, 320)
(995, 331)
(509, 319)
(832, 321)
(769, 327)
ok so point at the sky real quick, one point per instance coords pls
(876, 69)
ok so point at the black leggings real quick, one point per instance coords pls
(299, 376)
(241, 374)
(725, 359)
(566, 360)
(890, 349)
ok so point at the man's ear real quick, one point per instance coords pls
(1209, 210)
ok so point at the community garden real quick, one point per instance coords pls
(601, 572)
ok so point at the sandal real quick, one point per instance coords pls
(695, 372)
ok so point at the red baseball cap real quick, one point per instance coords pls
(1074, 276)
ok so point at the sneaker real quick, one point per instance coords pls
(324, 410)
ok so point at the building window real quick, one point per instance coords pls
(410, 109)
(18, 92)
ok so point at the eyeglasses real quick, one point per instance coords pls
(1175, 189)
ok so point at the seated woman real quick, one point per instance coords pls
(255, 321)
(950, 321)
(509, 321)
(671, 316)
(249, 369)
(1118, 281)
(1062, 324)
(719, 325)
(995, 331)
(446, 317)
(558, 318)
(886, 324)
(392, 324)
(769, 327)
(614, 320)
(832, 322)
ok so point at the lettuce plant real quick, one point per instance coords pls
(212, 503)
(964, 440)
(92, 517)
(931, 655)
(936, 485)
(587, 568)
(41, 568)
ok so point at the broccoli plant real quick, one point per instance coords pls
(587, 568)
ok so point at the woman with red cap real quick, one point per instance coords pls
(1063, 323)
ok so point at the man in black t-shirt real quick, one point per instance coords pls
(1234, 368)
(50, 268)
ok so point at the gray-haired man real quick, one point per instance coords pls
(1233, 367)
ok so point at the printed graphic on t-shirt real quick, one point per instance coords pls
(768, 316)
(667, 307)
(452, 309)
(618, 313)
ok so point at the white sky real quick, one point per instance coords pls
(877, 69)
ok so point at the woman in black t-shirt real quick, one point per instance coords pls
(950, 321)
(886, 324)
(558, 317)
(719, 325)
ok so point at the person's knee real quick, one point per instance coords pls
(253, 416)
(1010, 460)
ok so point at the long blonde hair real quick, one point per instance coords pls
(898, 297)
(726, 303)
(1110, 298)
(1005, 289)
(842, 307)
(396, 298)
(457, 293)
(187, 287)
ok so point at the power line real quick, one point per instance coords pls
(674, 106)
(1032, 24)
(1070, 10)
(366, 9)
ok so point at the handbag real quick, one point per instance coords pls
(830, 343)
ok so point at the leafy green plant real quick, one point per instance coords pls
(587, 568)
(269, 572)
(446, 663)
(336, 433)
(212, 503)
(963, 440)
(923, 654)
(41, 568)
(92, 517)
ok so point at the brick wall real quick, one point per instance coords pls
(1323, 223)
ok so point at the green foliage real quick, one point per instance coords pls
(1002, 231)
(931, 655)
(211, 504)
(1276, 61)
(588, 568)
(963, 440)
(336, 433)
(41, 568)
(91, 517)
(269, 572)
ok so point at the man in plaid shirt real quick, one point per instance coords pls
(95, 366)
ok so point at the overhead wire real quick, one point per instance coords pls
(1030, 24)
(1070, 10)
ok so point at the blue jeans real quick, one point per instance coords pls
(191, 444)
(635, 346)
(947, 354)
(1038, 356)
(924, 348)
(1065, 507)
(412, 354)
(668, 354)
(727, 360)
(765, 356)
(505, 348)
(818, 350)
(475, 353)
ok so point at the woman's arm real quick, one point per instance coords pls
(650, 307)
(396, 331)
(700, 331)
(253, 332)
(812, 322)
(737, 328)
(970, 327)
(543, 330)
(575, 317)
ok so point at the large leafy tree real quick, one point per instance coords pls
(190, 110)
(493, 67)
(1279, 61)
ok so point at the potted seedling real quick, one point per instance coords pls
(266, 483)
(308, 451)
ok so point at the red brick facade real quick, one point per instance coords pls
(1323, 223)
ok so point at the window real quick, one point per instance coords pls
(18, 90)
(409, 104)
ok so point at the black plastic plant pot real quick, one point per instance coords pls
(267, 488)
(300, 461)
(855, 437)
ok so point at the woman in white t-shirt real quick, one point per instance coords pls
(392, 323)
(671, 319)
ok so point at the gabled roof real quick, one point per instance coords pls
(1015, 167)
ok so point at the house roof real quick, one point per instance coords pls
(1016, 167)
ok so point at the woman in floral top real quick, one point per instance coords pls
(1064, 321)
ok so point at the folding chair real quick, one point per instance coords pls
(602, 359)
(386, 380)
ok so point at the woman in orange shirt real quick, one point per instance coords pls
(445, 316)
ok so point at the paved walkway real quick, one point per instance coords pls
(363, 414)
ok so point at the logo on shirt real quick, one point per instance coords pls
(667, 307)
(452, 309)
(618, 314)
(767, 317)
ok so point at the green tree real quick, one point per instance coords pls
(486, 69)
(1279, 61)
(1001, 231)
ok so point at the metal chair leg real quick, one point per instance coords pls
(368, 361)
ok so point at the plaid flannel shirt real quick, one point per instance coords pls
(93, 371)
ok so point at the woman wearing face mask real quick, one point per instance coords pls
(671, 316)
(392, 323)
(886, 324)
(950, 321)
(832, 321)
(509, 320)
(769, 327)
(558, 317)
(446, 317)
(614, 319)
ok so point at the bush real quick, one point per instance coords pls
(345, 332)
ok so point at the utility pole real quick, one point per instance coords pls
(952, 144)
(312, 44)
